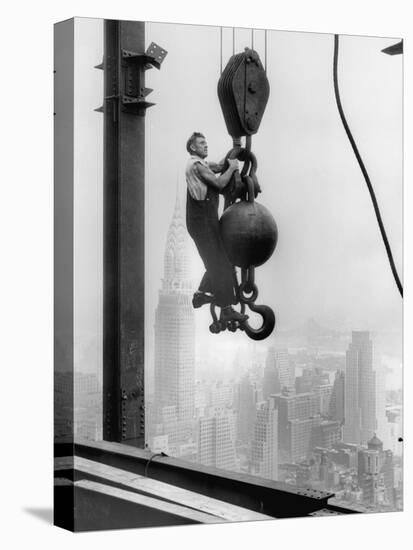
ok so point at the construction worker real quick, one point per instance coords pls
(204, 186)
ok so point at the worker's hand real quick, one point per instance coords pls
(233, 164)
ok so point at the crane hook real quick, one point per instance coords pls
(268, 322)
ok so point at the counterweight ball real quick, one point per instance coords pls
(249, 233)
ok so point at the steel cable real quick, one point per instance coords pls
(363, 168)
(220, 50)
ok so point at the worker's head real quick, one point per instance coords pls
(197, 145)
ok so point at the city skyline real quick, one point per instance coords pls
(289, 414)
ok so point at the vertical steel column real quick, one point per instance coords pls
(123, 233)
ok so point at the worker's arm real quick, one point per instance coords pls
(217, 167)
(208, 177)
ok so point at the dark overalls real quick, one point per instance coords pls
(203, 226)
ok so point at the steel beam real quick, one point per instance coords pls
(260, 495)
(123, 234)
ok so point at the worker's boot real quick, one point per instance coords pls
(229, 314)
(200, 298)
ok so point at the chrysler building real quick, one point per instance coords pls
(175, 331)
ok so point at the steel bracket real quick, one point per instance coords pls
(134, 65)
(132, 96)
(153, 57)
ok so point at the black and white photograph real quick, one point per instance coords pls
(237, 253)
(205, 235)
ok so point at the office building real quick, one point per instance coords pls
(264, 453)
(297, 415)
(360, 390)
(216, 440)
(271, 380)
(336, 407)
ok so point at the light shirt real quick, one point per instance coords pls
(196, 187)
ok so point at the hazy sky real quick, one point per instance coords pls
(330, 261)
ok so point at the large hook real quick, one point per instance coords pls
(235, 188)
(268, 323)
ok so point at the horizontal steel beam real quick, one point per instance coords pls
(272, 498)
(96, 471)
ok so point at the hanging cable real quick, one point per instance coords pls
(265, 52)
(150, 460)
(220, 49)
(363, 168)
(233, 40)
(252, 39)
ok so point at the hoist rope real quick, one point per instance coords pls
(150, 460)
(233, 47)
(363, 169)
(220, 49)
(265, 52)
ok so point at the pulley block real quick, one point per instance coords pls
(243, 91)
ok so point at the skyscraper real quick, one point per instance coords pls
(336, 408)
(216, 440)
(285, 368)
(298, 415)
(360, 390)
(245, 404)
(175, 330)
(278, 372)
(271, 381)
(264, 452)
(323, 393)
